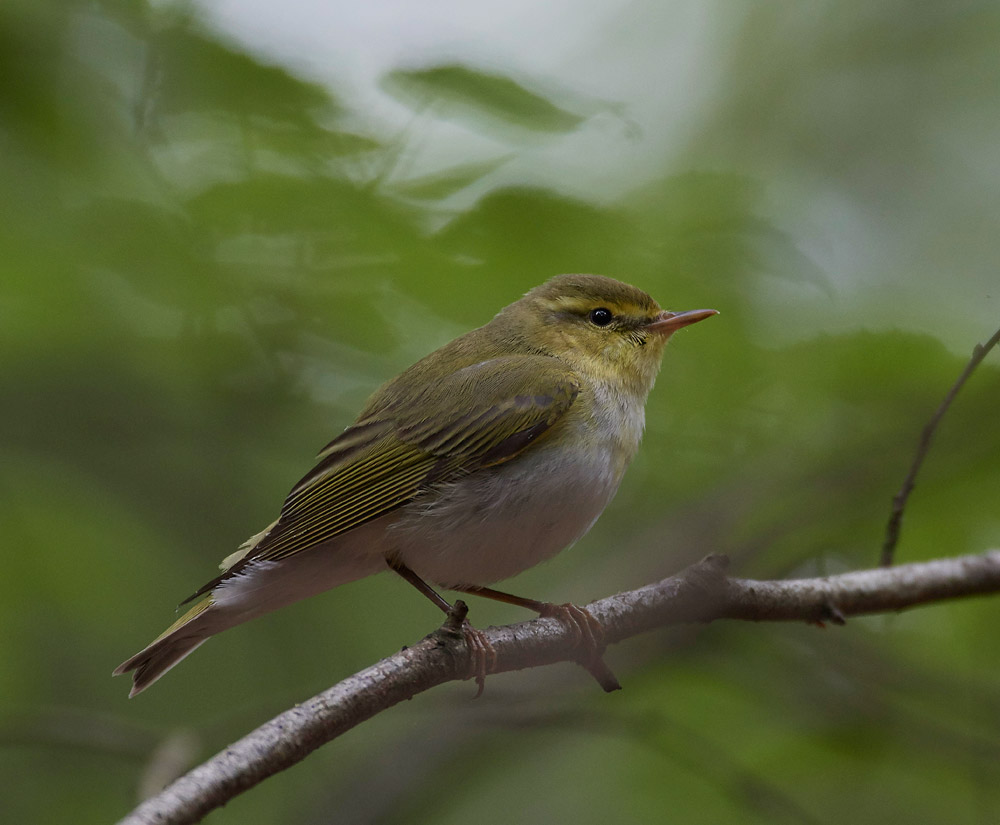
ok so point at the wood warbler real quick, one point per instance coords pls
(481, 460)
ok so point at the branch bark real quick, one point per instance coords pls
(701, 593)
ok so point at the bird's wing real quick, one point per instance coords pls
(485, 414)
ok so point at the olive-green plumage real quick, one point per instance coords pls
(485, 457)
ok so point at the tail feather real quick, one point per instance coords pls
(176, 642)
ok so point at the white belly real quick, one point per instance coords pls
(476, 531)
(498, 522)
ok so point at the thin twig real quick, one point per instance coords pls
(702, 593)
(900, 499)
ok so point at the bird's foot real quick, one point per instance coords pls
(482, 654)
(588, 635)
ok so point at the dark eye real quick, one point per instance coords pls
(601, 317)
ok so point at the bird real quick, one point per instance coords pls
(483, 459)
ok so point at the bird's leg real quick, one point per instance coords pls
(587, 631)
(483, 654)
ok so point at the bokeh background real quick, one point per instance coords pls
(224, 224)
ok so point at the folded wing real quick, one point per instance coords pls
(483, 415)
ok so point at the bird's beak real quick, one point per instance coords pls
(667, 322)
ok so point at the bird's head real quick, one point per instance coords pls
(604, 328)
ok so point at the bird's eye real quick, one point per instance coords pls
(601, 317)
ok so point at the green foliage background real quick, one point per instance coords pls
(208, 262)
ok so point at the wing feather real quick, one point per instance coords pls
(486, 413)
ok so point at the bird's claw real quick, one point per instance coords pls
(482, 654)
(588, 635)
(483, 657)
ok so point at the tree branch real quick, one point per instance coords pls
(923, 446)
(701, 593)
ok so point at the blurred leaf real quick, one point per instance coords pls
(273, 203)
(554, 233)
(474, 96)
(442, 185)
(309, 140)
(196, 72)
(775, 253)
(708, 224)
(149, 244)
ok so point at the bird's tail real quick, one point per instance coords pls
(176, 642)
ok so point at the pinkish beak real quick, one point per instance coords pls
(667, 323)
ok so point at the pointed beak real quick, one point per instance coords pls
(667, 322)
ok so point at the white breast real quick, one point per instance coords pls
(498, 522)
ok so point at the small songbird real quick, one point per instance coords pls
(481, 460)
